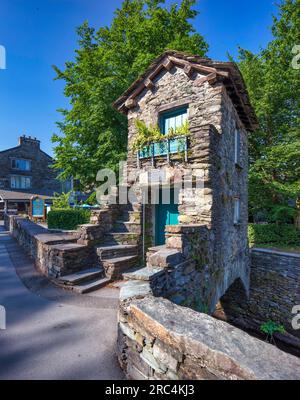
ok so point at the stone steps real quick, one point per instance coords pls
(114, 267)
(84, 281)
(91, 286)
(119, 251)
(81, 276)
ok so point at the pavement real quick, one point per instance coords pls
(53, 334)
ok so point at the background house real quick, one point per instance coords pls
(25, 170)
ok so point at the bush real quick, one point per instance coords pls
(283, 214)
(273, 234)
(68, 219)
(92, 200)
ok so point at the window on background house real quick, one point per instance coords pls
(173, 119)
(21, 164)
(237, 147)
(237, 211)
(20, 182)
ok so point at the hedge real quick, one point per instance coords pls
(273, 234)
(67, 219)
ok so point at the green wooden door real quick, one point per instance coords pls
(165, 214)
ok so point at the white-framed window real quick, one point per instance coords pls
(20, 182)
(237, 147)
(237, 211)
(21, 164)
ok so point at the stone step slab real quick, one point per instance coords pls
(143, 274)
(88, 287)
(114, 267)
(155, 249)
(81, 276)
(165, 258)
(116, 250)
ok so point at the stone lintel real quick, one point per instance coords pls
(181, 229)
(175, 104)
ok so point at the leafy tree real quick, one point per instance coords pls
(274, 88)
(92, 134)
(61, 201)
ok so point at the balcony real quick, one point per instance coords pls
(165, 147)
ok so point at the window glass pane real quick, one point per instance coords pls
(22, 165)
(167, 125)
(236, 211)
(237, 147)
(173, 120)
(20, 182)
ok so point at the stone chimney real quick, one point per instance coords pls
(29, 141)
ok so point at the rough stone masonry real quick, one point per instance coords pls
(160, 340)
(218, 112)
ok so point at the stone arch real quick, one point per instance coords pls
(229, 305)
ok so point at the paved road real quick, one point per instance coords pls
(53, 334)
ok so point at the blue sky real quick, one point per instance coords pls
(40, 33)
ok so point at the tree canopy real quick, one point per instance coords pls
(274, 88)
(92, 134)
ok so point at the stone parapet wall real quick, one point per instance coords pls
(160, 340)
(274, 291)
(55, 254)
(201, 279)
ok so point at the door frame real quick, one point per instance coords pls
(155, 211)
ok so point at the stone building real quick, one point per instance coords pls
(191, 248)
(26, 170)
(206, 221)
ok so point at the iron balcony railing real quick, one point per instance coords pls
(165, 147)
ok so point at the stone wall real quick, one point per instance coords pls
(58, 254)
(228, 239)
(55, 254)
(213, 121)
(160, 340)
(101, 222)
(274, 291)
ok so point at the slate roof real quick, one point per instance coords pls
(20, 196)
(227, 72)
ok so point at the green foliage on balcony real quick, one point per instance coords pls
(150, 142)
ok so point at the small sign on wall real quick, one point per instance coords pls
(37, 208)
